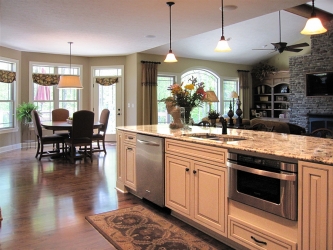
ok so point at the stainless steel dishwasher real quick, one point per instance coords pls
(150, 168)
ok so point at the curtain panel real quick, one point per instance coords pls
(7, 76)
(106, 81)
(149, 92)
(45, 79)
(245, 93)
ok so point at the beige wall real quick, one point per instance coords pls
(132, 78)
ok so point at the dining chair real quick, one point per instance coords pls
(100, 135)
(46, 139)
(81, 134)
(322, 133)
(60, 115)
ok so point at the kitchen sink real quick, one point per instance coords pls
(215, 137)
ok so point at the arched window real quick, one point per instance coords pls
(211, 82)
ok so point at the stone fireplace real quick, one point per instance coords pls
(306, 108)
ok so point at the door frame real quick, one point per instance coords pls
(119, 102)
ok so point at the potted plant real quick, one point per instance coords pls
(212, 116)
(24, 112)
(262, 70)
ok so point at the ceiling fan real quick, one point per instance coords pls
(282, 46)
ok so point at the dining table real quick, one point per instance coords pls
(64, 125)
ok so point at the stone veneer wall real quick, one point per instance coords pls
(320, 60)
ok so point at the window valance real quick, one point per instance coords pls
(46, 79)
(106, 81)
(7, 76)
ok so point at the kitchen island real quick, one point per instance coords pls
(227, 220)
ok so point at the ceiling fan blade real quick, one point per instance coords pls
(263, 49)
(279, 45)
(298, 45)
(292, 50)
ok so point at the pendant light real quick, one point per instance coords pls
(313, 26)
(222, 45)
(70, 81)
(170, 56)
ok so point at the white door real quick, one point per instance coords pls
(109, 97)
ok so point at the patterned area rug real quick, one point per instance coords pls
(139, 228)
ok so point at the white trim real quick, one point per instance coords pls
(16, 96)
(10, 148)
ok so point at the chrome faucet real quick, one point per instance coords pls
(224, 125)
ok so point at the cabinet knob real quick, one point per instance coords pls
(187, 169)
(194, 171)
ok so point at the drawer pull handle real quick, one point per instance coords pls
(259, 241)
(130, 138)
(194, 171)
(129, 149)
(187, 169)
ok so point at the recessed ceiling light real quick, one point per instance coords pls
(150, 36)
(229, 7)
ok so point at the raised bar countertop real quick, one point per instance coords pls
(307, 148)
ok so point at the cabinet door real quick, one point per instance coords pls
(210, 197)
(130, 166)
(315, 206)
(177, 184)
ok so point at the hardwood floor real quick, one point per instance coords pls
(44, 203)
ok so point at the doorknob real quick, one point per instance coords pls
(118, 114)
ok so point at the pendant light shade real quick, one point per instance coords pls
(70, 81)
(313, 26)
(170, 56)
(222, 45)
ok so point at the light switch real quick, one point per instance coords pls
(128, 105)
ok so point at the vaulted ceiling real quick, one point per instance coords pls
(116, 28)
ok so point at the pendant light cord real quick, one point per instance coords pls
(313, 14)
(222, 18)
(70, 57)
(170, 4)
(280, 25)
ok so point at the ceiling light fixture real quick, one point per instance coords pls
(222, 45)
(170, 56)
(313, 26)
(70, 81)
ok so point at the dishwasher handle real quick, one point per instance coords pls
(150, 143)
(280, 176)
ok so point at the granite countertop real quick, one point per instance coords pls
(307, 148)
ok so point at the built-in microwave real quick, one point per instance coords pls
(264, 183)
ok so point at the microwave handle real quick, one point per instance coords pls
(285, 177)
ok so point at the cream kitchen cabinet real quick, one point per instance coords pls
(315, 206)
(126, 163)
(196, 186)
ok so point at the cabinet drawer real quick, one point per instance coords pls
(256, 238)
(206, 153)
(129, 137)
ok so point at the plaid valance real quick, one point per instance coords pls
(106, 81)
(7, 76)
(45, 79)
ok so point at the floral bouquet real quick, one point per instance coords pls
(189, 95)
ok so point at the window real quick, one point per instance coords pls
(228, 86)
(47, 98)
(211, 83)
(7, 94)
(163, 82)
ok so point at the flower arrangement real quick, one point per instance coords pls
(189, 95)
(262, 70)
(212, 114)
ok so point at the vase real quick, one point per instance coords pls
(185, 113)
